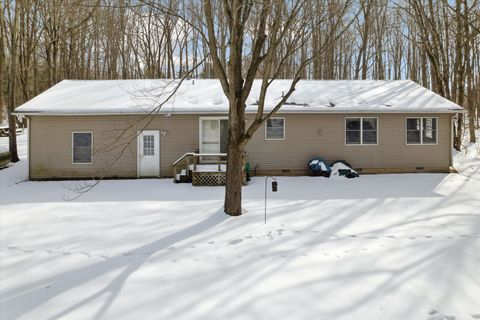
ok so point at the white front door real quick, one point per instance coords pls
(148, 153)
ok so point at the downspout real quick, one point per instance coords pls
(29, 126)
(160, 142)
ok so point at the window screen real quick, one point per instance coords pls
(369, 130)
(413, 131)
(82, 147)
(353, 131)
(429, 130)
(275, 129)
(421, 130)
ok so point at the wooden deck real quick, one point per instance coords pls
(201, 169)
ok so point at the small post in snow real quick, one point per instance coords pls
(274, 189)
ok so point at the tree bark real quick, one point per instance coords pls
(234, 178)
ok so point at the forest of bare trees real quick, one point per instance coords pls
(433, 42)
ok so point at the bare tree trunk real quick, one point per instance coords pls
(468, 39)
(236, 118)
(11, 86)
(234, 178)
(2, 65)
(459, 67)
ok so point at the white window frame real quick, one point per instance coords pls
(361, 132)
(284, 129)
(91, 149)
(421, 132)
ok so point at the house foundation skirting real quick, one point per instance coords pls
(304, 172)
(291, 172)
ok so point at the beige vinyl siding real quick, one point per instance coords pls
(306, 136)
(324, 135)
(51, 151)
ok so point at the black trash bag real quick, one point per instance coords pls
(341, 168)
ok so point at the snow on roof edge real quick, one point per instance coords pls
(205, 96)
(119, 113)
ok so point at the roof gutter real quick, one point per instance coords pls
(165, 113)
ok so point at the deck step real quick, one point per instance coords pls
(182, 177)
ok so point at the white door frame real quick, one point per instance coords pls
(140, 156)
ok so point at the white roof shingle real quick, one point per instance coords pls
(206, 96)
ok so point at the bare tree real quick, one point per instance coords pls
(267, 25)
(433, 42)
(10, 29)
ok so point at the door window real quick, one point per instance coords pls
(210, 136)
(148, 145)
(214, 136)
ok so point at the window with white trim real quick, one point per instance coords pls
(361, 130)
(421, 130)
(82, 145)
(275, 129)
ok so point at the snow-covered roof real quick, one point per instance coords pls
(206, 96)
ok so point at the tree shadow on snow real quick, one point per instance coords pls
(290, 188)
(428, 264)
(42, 291)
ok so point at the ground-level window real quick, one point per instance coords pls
(275, 129)
(421, 130)
(361, 130)
(82, 143)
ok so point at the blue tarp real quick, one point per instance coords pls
(319, 166)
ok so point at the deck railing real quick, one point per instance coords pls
(192, 158)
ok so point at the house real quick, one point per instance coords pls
(139, 128)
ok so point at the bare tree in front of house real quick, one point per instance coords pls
(256, 31)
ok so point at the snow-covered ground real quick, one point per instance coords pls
(377, 247)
